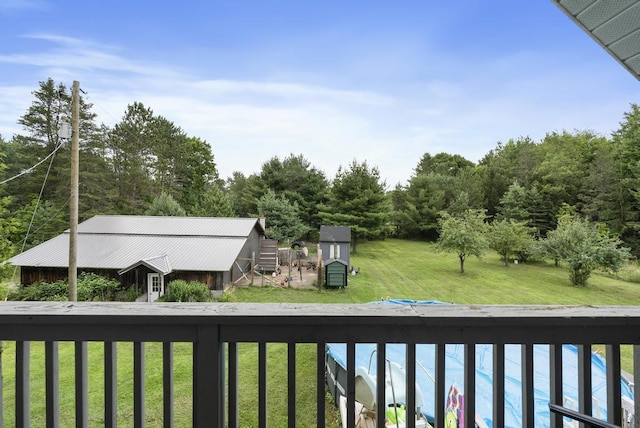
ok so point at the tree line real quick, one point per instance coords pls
(146, 164)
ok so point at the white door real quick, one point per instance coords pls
(154, 286)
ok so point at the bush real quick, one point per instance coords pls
(41, 291)
(183, 291)
(128, 294)
(91, 287)
(97, 288)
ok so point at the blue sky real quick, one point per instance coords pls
(381, 81)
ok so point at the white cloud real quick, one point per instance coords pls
(249, 121)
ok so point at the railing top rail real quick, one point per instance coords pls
(317, 322)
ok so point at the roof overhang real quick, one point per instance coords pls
(159, 264)
(613, 24)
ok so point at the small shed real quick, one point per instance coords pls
(336, 273)
(335, 243)
(335, 247)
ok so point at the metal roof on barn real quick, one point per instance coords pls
(613, 24)
(335, 234)
(169, 226)
(118, 242)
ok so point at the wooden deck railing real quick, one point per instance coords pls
(216, 330)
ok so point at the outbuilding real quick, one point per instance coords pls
(335, 273)
(150, 251)
(335, 245)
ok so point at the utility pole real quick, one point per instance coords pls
(73, 202)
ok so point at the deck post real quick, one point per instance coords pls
(208, 380)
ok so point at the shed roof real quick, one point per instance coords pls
(335, 234)
(119, 242)
(613, 24)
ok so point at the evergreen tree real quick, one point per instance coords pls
(282, 217)
(300, 182)
(165, 205)
(41, 123)
(214, 202)
(244, 193)
(357, 199)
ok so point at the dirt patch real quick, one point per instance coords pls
(304, 277)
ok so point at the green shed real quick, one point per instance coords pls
(335, 273)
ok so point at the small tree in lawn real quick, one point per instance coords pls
(464, 234)
(585, 247)
(509, 237)
(282, 217)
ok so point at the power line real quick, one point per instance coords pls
(28, 170)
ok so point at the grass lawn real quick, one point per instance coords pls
(413, 270)
(388, 269)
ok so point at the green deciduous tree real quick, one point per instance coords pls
(509, 237)
(584, 247)
(357, 199)
(300, 182)
(465, 234)
(7, 223)
(282, 217)
(244, 193)
(436, 184)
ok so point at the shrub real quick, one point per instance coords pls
(96, 287)
(41, 291)
(183, 291)
(128, 294)
(90, 287)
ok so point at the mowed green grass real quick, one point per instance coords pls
(414, 270)
(388, 269)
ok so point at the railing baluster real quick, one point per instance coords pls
(262, 384)
(381, 362)
(614, 398)
(636, 385)
(167, 384)
(584, 379)
(23, 386)
(320, 383)
(110, 385)
(555, 386)
(1, 389)
(441, 349)
(351, 386)
(232, 376)
(411, 385)
(82, 385)
(138, 385)
(470, 384)
(291, 383)
(527, 385)
(52, 384)
(498, 385)
(208, 382)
